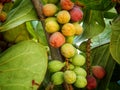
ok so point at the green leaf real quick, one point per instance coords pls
(22, 13)
(115, 39)
(101, 56)
(109, 15)
(16, 34)
(104, 37)
(102, 5)
(22, 64)
(93, 24)
(36, 30)
(41, 33)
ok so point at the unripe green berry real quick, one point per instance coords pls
(69, 76)
(55, 65)
(57, 78)
(78, 60)
(80, 71)
(81, 82)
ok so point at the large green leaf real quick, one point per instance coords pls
(101, 56)
(22, 13)
(104, 37)
(115, 39)
(93, 23)
(21, 65)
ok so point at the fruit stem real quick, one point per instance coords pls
(55, 52)
(67, 64)
(68, 86)
(1, 7)
(117, 7)
(88, 52)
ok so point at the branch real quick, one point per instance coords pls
(88, 52)
(55, 52)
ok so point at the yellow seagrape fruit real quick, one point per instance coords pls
(63, 17)
(68, 50)
(49, 9)
(78, 29)
(52, 26)
(68, 29)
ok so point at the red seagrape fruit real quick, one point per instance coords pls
(91, 82)
(76, 14)
(98, 71)
(66, 4)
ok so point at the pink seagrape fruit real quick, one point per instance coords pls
(56, 40)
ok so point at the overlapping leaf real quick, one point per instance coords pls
(101, 56)
(23, 65)
(18, 15)
(93, 24)
(115, 40)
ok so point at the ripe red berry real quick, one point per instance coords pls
(66, 4)
(98, 71)
(76, 14)
(91, 82)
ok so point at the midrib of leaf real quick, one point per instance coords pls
(13, 58)
(16, 69)
(14, 85)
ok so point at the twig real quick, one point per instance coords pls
(88, 63)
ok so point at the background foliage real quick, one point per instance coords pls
(101, 24)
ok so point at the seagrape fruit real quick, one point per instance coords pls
(69, 76)
(57, 78)
(22, 65)
(68, 50)
(55, 65)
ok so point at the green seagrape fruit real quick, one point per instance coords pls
(55, 65)
(80, 71)
(69, 76)
(70, 39)
(22, 65)
(80, 82)
(71, 66)
(57, 78)
(78, 60)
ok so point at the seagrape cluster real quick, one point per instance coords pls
(62, 22)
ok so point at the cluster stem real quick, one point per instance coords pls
(88, 52)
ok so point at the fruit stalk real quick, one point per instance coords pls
(1, 7)
(88, 63)
(55, 53)
(68, 86)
